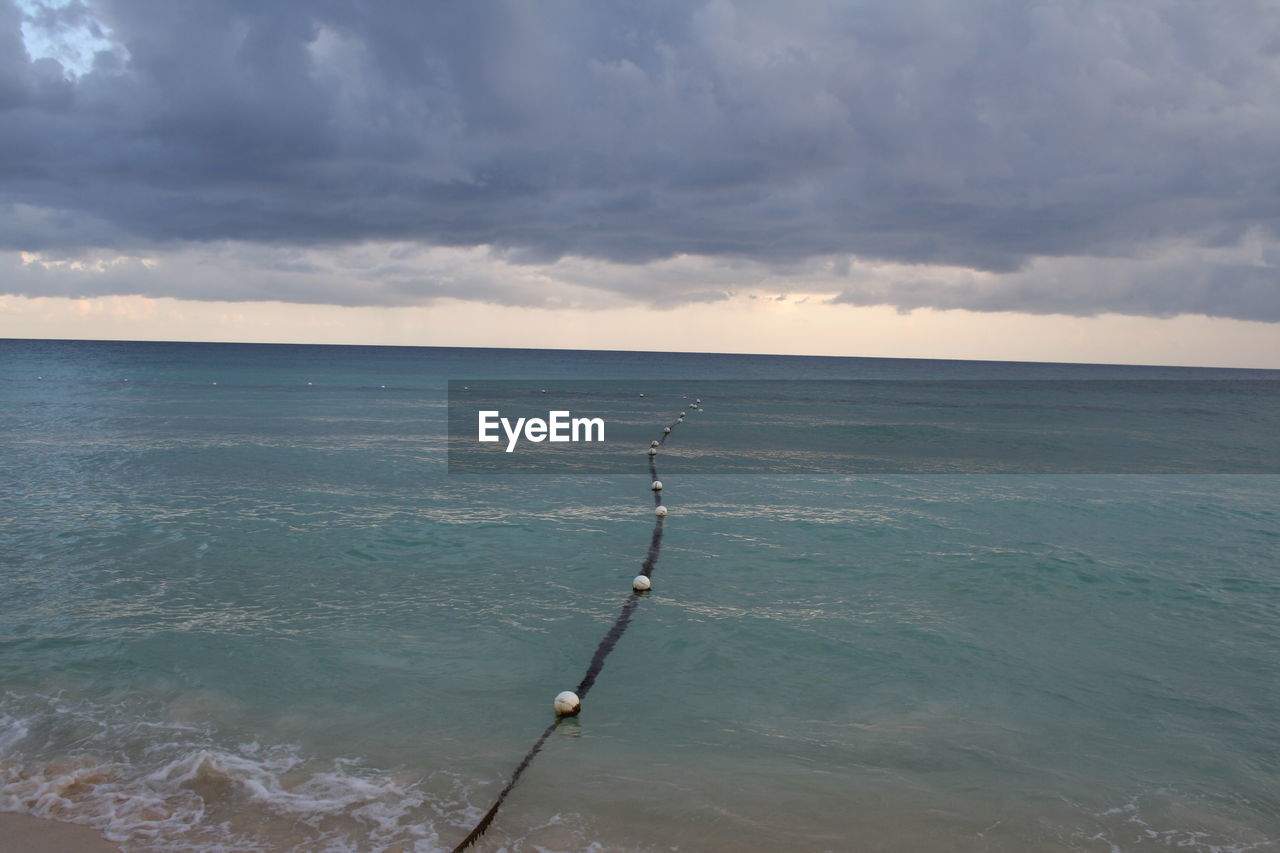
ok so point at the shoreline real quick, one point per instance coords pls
(24, 833)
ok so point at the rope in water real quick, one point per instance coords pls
(606, 645)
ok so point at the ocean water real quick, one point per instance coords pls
(247, 605)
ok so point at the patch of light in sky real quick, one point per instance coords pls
(65, 30)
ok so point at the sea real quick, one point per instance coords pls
(256, 598)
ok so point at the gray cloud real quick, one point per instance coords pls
(975, 134)
(1238, 282)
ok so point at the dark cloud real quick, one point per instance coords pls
(970, 133)
(1227, 289)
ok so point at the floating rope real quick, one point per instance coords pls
(606, 645)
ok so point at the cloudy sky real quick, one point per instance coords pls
(1070, 180)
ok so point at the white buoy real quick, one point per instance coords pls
(641, 393)
(660, 512)
(466, 387)
(640, 584)
(215, 383)
(308, 383)
(653, 451)
(682, 414)
(699, 400)
(657, 485)
(654, 443)
(39, 378)
(567, 704)
(666, 430)
(544, 390)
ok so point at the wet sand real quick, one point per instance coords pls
(21, 833)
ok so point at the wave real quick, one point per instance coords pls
(158, 785)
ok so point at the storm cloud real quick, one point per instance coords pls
(1072, 156)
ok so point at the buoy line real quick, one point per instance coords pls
(569, 703)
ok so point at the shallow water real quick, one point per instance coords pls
(261, 614)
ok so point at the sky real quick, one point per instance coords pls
(1000, 179)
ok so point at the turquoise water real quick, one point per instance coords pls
(262, 615)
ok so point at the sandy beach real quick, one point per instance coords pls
(21, 833)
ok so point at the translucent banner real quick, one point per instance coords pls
(1229, 426)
